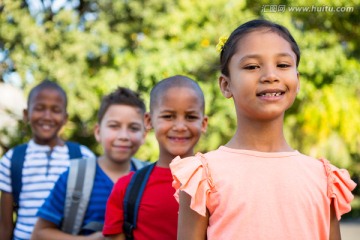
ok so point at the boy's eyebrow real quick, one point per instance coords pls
(135, 123)
(193, 111)
(167, 111)
(116, 121)
(172, 111)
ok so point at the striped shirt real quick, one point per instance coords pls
(42, 167)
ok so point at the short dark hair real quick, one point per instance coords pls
(47, 84)
(230, 46)
(175, 81)
(120, 96)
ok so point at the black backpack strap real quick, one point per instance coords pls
(133, 197)
(16, 166)
(138, 164)
(74, 150)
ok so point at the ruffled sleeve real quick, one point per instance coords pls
(339, 188)
(192, 176)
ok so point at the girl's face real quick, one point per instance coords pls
(178, 122)
(263, 79)
(46, 114)
(121, 132)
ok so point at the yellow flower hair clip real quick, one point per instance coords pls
(221, 43)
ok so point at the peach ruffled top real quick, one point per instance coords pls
(261, 195)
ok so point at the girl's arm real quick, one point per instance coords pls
(191, 225)
(334, 224)
(6, 216)
(46, 230)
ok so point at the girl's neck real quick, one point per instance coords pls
(260, 136)
(114, 170)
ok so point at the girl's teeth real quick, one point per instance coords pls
(271, 94)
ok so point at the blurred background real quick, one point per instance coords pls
(90, 47)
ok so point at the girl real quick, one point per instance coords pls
(257, 186)
(177, 117)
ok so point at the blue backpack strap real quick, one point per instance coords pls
(16, 166)
(74, 150)
(133, 197)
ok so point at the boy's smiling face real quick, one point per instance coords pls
(121, 132)
(178, 122)
(46, 114)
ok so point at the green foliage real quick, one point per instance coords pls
(98, 45)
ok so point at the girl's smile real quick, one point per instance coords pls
(263, 78)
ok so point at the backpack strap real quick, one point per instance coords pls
(98, 226)
(74, 150)
(93, 227)
(138, 163)
(79, 186)
(133, 197)
(16, 166)
(17, 163)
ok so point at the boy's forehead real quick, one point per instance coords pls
(125, 107)
(46, 92)
(179, 97)
(174, 91)
(124, 111)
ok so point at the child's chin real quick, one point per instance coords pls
(45, 139)
(182, 153)
(121, 161)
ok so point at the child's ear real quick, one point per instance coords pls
(147, 120)
(145, 132)
(224, 83)
(204, 124)
(25, 115)
(97, 132)
(144, 136)
(298, 84)
(66, 117)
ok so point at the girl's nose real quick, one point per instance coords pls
(269, 75)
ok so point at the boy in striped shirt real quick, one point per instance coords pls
(46, 156)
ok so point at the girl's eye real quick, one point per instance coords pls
(283, 65)
(251, 67)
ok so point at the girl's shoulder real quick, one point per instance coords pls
(192, 175)
(339, 187)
